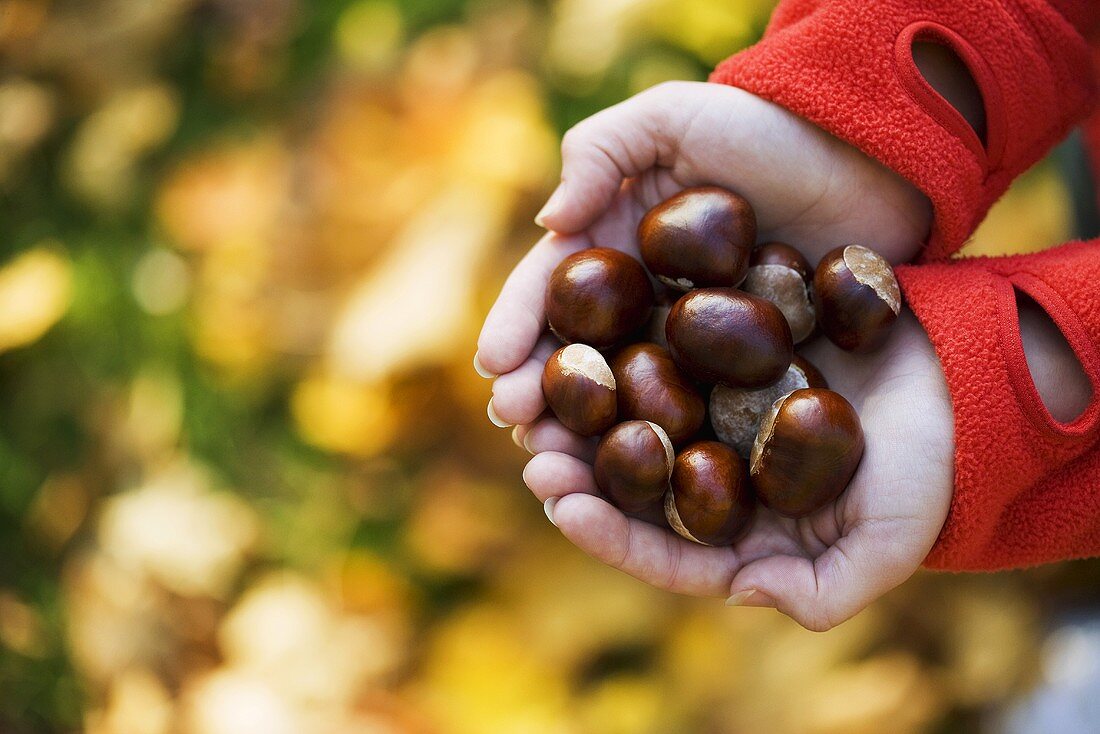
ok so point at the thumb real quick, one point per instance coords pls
(821, 593)
(599, 153)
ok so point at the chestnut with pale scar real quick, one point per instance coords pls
(709, 500)
(806, 452)
(779, 273)
(857, 298)
(580, 389)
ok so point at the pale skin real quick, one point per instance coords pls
(808, 189)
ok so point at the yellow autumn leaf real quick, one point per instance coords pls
(35, 291)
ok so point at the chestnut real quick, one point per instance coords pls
(781, 274)
(780, 253)
(598, 297)
(700, 237)
(735, 413)
(633, 465)
(806, 452)
(580, 389)
(723, 335)
(651, 387)
(709, 500)
(856, 297)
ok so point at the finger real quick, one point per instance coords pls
(618, 226)
(620, 142)
(517, 395)
(648, 553)
(821, 593)
(548, 434)
(518, 317)
(553, 474)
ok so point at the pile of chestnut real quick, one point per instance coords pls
(637, 372)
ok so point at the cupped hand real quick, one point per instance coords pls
(808, 189)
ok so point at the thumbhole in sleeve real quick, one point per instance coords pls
(949, 76)
(1057, 377)
(954, 86)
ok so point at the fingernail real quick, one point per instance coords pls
(496, 419)
(750, 598)
(739, 598)
(516, 439)
(480, 368)
(527, 444)
(548, 508)
(552, 205)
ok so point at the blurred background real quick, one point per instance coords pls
(247, 483)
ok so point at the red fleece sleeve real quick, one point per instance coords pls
(847, 66)
(1027, 488)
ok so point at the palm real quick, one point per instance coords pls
(808, 189)
(896, 504)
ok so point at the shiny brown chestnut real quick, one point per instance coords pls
(698, 238)
(580, 389)
(598, 297)
(780, 274)
(709, 500)
(857, 298)
(735, 413)
(633, 465)
(726, 336)
(807, 451)
(651, 387)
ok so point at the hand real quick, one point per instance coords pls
(822, 569)
(808, 189)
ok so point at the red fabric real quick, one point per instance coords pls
(847, 66)
(1091, 134)
(1091, 130)
(1027, 489)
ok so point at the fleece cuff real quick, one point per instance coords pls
(847, 66)
(1027, 488)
